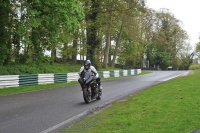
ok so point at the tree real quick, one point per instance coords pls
(108, 17)
(29, 27)
(197, 47)
(55, 17)
(197, 50)
(128, 53)
(168, 40)
(92, 28)
(128, 9)
(39, 24)
(5, 10)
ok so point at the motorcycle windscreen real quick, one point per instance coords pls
(88, 78)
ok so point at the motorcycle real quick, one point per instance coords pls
(90, 87)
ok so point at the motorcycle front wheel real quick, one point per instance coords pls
(99, 95)
(86, 95)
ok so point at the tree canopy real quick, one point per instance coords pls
(104, 31)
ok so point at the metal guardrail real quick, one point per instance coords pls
(127, 67)
(7, 81)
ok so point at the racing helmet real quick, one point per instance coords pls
(87, 64)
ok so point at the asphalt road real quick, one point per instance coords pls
(50, 110)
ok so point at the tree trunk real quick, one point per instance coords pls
(16, 42)
(64, 55)
(4, 35)
(74, 60)
(9, 43)
(107, 48)
(108, 41)
(37, 49)
(110, 57)
(117, 45)
(92, 31)
(75, 44)
(53, 56)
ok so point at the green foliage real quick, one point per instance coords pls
(150, 52)
(38, 69)
(128, 54)
(168, 40)
(198, 47)
(4, 71)
(38, 26)
(194, 67)
(163, 59)
(186, 61)
(139, 33)
(4, 31)
(19, 69)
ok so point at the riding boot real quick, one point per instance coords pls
(81, 83)
(93, 93)
(100, 87)
(82, 86)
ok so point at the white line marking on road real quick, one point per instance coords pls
(64, 122)
(183, 74)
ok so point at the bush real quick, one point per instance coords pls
(13, 70)
(20, 69)
(194, 67)
(3, 71)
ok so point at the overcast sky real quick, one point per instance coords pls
(187, 11)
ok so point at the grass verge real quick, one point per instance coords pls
(169, 107)
(21, 89)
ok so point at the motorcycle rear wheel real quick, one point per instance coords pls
(86, 95)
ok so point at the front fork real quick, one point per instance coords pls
(88, 88)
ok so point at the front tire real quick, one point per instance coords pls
(86, 95)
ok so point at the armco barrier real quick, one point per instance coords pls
(34, 79)
(29, 79)
(9, 81)
(46, 78)
(60, 77)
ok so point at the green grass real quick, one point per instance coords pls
(15, 90)
(169, 107)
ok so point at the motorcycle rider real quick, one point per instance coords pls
(88, 67)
